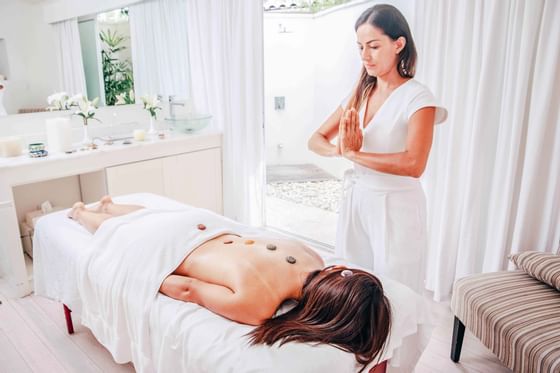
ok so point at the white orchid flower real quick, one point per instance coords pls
(83, 104)
(58, 101)
(74, 100)
(151, 104)
(120, 99)
(86, 108)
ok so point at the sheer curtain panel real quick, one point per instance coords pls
(493, 181)
(226, 66)
(69, 57)
(159, 47)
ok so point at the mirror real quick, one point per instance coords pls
(29, 70)
(106, 54)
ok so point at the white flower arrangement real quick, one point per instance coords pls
(151, 104)
(75, 100)
(58, 101)
(86, 108)
(125, 98)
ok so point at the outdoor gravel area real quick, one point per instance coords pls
(321, 194)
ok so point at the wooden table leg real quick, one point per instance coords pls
(379, 368)
(68, 317)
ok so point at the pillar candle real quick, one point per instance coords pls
(59, 134)
(139, 134)
(10, 146)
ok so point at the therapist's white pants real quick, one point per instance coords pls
(382, 226)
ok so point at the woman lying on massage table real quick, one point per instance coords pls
(336, 305)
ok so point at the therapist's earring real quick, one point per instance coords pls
(403, 68)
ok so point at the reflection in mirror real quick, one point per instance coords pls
(106, 53)
(148, 56)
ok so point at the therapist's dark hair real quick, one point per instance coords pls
(393, 24)
(351, 313)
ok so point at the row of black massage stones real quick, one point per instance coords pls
(270, 246)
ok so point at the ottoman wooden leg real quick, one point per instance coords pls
(457, 341)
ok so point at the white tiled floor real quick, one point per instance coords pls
(312, 222)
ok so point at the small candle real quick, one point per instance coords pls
(139, 135)
(10, 146)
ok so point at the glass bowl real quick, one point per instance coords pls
(189, 123)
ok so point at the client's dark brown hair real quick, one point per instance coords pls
(349, 312)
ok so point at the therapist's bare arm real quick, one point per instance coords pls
(320, 141)
(411, 162)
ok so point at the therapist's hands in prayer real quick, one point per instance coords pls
(350, 136)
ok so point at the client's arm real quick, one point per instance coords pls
(218, 299)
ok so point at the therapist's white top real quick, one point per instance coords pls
(387, 131)
(382, 217)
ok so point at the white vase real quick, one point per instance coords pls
(152, 130)
(86, 140)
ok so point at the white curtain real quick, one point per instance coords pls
(159, 47)
(226, 61)
(69, 57)
(493, 180)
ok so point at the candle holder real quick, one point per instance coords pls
(10, 146)
(37, 150)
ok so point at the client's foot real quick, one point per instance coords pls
(73, 213)
(103, 203)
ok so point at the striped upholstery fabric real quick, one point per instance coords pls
(515, 316)
(544, 267)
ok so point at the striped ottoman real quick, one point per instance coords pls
(514, 315)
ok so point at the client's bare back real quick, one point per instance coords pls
(92, 218)
(243, 278)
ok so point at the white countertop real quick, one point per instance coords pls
(147, 146)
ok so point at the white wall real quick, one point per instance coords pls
(289, 72)
(314, 65)
(29, 42)
(65, 9)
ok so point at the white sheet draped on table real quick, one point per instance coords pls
(159, 48)
(131, 254)
(493, 178)
(226, 62)
(69, 57)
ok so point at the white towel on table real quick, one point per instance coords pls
(120, 274)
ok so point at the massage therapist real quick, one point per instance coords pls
(385, 127)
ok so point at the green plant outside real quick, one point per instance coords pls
(117, 75)
(313, 6)
(317, 6)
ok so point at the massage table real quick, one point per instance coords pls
(189, 338)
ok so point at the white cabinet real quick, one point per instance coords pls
(144, 176)
(12, 263)
(194, 178)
